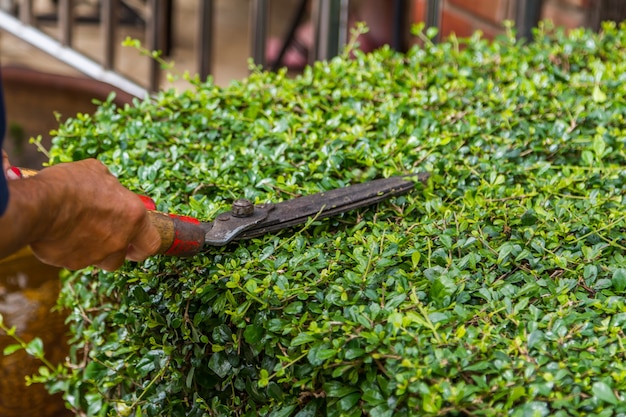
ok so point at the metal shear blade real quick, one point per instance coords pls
(266, 218)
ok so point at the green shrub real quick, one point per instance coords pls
(498, 288)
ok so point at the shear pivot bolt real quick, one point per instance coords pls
(242, 208)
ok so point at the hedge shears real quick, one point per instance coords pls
(188, 236)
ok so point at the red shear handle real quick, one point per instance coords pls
(180, 235)
(147, 202)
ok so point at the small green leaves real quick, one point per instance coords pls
(156, 55)
(495, 289)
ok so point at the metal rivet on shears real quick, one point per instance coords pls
(242, 208)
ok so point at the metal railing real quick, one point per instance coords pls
(329, 17)
(21, 23)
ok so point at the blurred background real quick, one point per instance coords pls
(236, 25)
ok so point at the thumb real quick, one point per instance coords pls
(145, 243)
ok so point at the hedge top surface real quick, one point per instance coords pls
(498, 288)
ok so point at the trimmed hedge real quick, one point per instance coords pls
(497, 288)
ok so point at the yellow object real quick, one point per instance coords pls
(28, 172)
(22, 253)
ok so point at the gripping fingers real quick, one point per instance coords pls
(147, 244)
(113, 261)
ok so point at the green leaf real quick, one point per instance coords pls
(347, 402)
(382, 410)
(146, 365)
(253, 334)
(619, 279)
(602, 391)
(529, 218)
(96, 371)
(337, 389)
(415, 258)
(431, 402)
(189, 378)
(35, 347)
(504, 251)
(372, 395)
(598, 95)
(353, 353)
(478, 366)
(220, 364)
(294, 308)
(432, 31)
(320, 353)
(309, 410)
(10, 349)
(263, 378)
(275, 391)
(283, 411)
(442, 287)
(515, 394)
(302, 338)
(599, 146)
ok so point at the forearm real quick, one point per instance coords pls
(31, 208)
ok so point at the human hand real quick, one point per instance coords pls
(90, 218)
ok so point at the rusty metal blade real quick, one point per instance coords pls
(331, 203)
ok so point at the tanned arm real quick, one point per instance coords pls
(75, 215)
